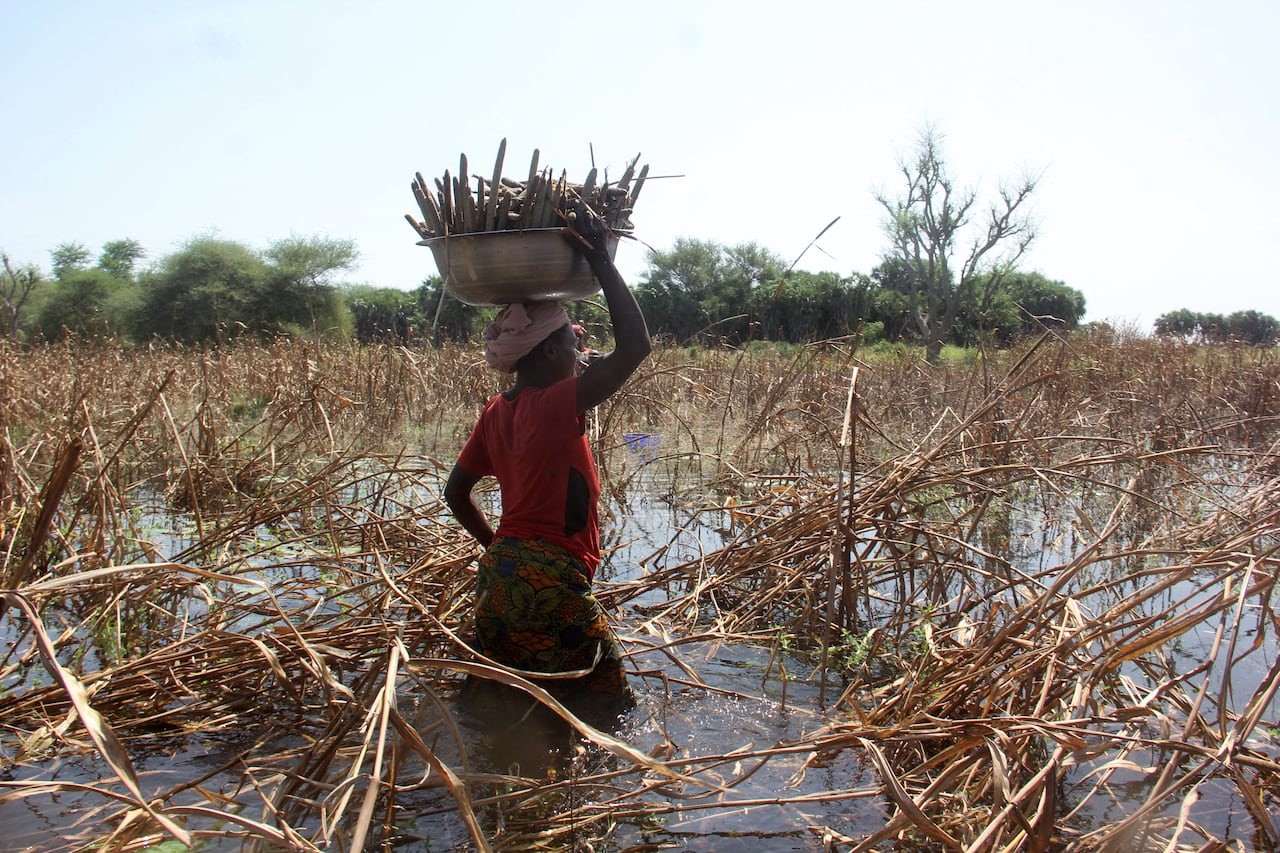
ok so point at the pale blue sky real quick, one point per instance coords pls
(1153, 124)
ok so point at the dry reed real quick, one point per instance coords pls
(990, 583)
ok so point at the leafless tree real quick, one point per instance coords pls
(930, 225)
(15, 290)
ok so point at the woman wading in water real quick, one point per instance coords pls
(534, 608)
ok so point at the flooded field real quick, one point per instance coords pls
(1020, 606)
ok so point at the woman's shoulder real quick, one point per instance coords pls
(552, 404)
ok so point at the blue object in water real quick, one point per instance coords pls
(643, 444)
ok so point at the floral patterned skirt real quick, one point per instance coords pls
(535, 613)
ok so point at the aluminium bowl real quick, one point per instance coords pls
(501, 267)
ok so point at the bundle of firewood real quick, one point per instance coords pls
(502, 204)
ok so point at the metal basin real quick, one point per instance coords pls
(501, 267)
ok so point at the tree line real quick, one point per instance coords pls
(950, 275)
(698, 291)
(1248, 327)
(209, 289)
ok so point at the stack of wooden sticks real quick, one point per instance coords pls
(452, 207)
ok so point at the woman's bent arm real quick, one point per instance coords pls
(460, 497)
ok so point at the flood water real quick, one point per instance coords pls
(753, 698)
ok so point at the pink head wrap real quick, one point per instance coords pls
(519, 328)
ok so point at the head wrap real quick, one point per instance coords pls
(519, 328)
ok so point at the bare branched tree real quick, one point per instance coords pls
(926, 228)
(15, 290)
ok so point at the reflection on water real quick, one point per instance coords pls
(739, 709)
(749, 716)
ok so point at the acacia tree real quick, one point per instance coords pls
(118, 257)
(929, 230)
(69, 257)
(98, 300)
(207, 289)
(87, 302)
(301, 292)
(213, 288)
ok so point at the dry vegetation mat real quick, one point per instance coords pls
(1027, 603)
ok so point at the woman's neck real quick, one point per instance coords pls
(532, 379)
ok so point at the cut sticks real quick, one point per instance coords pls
(449, 206)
